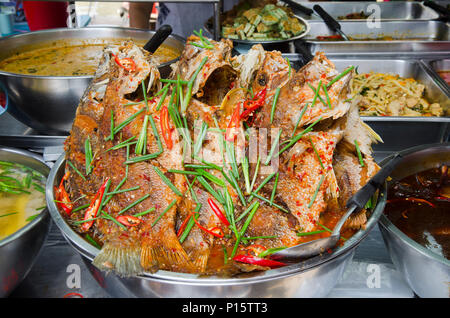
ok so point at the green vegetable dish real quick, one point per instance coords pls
(266, 23)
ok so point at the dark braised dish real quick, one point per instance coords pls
(419, 206)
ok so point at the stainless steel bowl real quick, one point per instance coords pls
(48, 103)
(19, 250)
(315, 277)
(427, 273)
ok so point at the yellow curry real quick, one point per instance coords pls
(63, 59)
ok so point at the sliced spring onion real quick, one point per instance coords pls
(191, 223)
(122, 191)
(163, 97)
(144, 212)
(272, 196)
(272, 149)
(167, 181)
(317, 154)
(327, 97)
(208, 188)
(337, 78)
(201, 136)
(76, 170)
(191, 84)
(125, 122)
(123, 144)
(279, 207)
(88, 155)
(250, 207)
(270, 251)
(256, 174)
(134, 203)
(358, 151)
(310, 233)
(317, 191)
(316, 93)
(244, 228)
(246, 175)
(267, 179)
(7, 214)
(300, 135)
(299, 119)
(274, 104)
(141, 145)
(164, 212)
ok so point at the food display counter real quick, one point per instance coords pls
(410, 45)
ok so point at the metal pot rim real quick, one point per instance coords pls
(89, 251)
(390, 227)
(47, 77)
(10, 238)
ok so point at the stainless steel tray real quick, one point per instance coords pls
(398, 10)
(437, 65)
(400, 132)
(412, 37)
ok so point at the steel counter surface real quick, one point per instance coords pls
(60, 270)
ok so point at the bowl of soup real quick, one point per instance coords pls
(24, 217)
(416, 222)
(46, 72)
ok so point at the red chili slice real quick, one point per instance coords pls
(92, 210)
(257, 261)
(256, 102)
(128, 220)
(235, 121)
(126, 63)
(183, 225)
(217, 211)
(165, 128)
(216, 231)
(256, 249)
(415, 200)
(63, 197)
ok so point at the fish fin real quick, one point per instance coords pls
(163, 256)
(124, 260)
(199, 259)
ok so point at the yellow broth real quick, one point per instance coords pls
(63, 59)
(21, 197)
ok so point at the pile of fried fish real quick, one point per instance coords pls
(216, 167)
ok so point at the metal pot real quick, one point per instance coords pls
(19, 250)
(48, 103)
(427, 273)
(314, 277)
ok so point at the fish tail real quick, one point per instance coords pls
(165, 255)
(124, 260)
(200, 259)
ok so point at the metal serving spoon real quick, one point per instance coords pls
(354, 204)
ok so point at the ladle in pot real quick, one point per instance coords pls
(158, 38)
(356, 203)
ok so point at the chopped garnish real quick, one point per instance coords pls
(167, 181)
(274, 104)
(337, 78)
(316, 192)
(358, 151)
(317, 154)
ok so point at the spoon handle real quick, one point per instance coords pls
(158, 38)
(363, 195)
